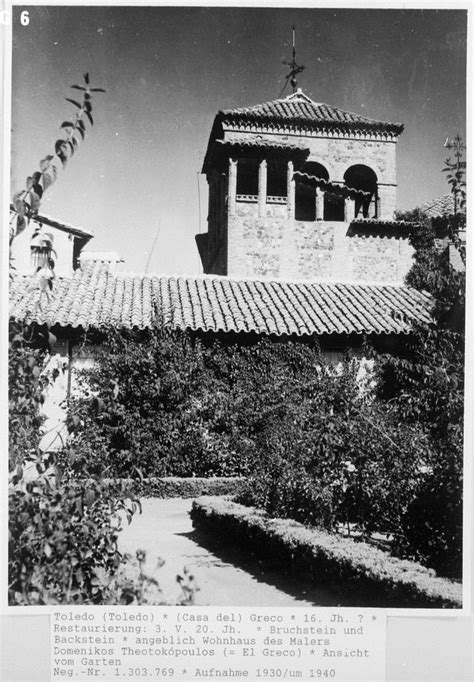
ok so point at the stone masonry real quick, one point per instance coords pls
(258, 235)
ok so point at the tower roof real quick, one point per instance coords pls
(298, 108)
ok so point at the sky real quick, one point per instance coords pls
(135, 182)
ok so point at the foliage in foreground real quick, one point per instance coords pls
(62, 546)
(63, 543)
(25, 395)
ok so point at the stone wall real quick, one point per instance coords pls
(338, 153)
(275, 246)
(261, 238)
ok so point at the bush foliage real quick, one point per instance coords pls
(62, 542)
(312, 441)
(25, 397)
(363, 574)
(424, 385)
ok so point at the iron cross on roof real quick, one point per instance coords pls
(295, 68)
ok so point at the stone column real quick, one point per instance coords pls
(262, 187)
(232, 186)
(376, 205)
(290, 191)
(386, 201)
(319, 204)
(348, 209)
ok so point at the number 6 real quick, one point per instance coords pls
(25, 18)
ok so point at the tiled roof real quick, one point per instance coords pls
(333, 187)
(94, 297)
(63, 227)
(443, 205)
(246, 143)
(251, 143)
(298, 108)
(378, 222)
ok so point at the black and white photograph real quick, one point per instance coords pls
(235, 279)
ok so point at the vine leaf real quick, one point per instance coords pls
(49, 176)
(88, 114)
(73, 101)
(35, 201)
(20, 224)
(45, 163)
(37, 189)
(18, 203)
(78, 87)
(59, 145)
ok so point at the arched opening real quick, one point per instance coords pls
(363, 178)
(305, 190)
(333, 206)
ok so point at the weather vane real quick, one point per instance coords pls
(295, 68)
(456, 144)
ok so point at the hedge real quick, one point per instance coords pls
(174, 486)
(327, 558)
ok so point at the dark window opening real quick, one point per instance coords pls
(247, 176)
(305, 190)
(277, 179)
(333, 206)
(363, 178)
(305, 200)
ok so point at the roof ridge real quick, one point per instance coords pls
(232, 278)
(222, 304)
(283, 108)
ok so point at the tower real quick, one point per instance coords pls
(302, 190)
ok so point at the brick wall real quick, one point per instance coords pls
(337, 154)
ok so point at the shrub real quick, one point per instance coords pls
(360, 572)
(63, 543)
(165, 403)
(27, 350)
(424, 384)
(337, 457)
(173, 486)
(432, 526)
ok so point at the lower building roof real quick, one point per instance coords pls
(96, 298)
(441, 206)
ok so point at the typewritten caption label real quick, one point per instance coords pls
(113, 643)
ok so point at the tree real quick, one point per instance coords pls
(424, 384)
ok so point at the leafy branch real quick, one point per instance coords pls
(455, 173)
(26, 202)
